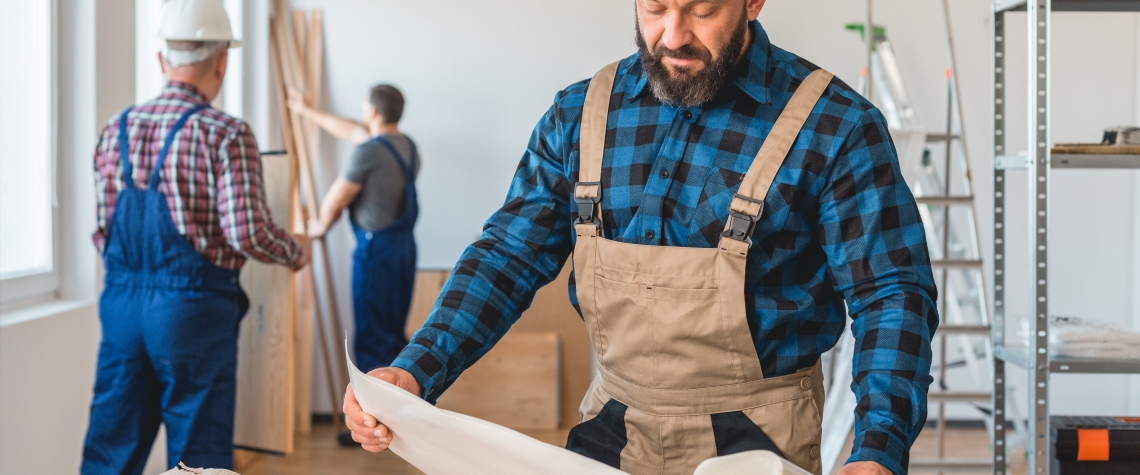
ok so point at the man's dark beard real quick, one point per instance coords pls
(685, 89)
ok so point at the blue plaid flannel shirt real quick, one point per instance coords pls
(839, 225)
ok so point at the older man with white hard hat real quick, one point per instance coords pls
(180, 208)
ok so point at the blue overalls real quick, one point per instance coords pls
(383, 274)
(170, 331)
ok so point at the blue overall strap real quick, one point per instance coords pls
(408, 169)
(415, 158)
(125, 149)
(169, 140)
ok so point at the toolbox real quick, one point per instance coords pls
(1095, 445)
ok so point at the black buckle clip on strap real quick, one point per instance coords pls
(586, 206)
(740, 225)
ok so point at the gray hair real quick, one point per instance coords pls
(187, 53)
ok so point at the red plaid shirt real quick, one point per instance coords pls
(211, 179)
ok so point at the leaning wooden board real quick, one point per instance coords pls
(550, 312)
(265, 398)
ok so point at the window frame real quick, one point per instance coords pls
(43, 285)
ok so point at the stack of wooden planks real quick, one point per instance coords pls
(276, 350)
(296, 51)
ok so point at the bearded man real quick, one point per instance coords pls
(724, 201)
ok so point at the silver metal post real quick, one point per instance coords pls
(997, 331)
(1039, 14)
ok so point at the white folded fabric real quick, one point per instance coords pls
(182, 469)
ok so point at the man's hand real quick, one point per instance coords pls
(864, 468)
(296, 101)
(317, 229)
(370, 433)
(306, 252)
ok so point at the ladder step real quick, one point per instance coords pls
(944, 200)
(951, 464)
(956, 264)
(941, 137)
(964, 329)
(958, 396)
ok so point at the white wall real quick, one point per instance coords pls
(48, 369)
(478, 75)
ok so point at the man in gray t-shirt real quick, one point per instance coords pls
(374, 167)
(378, 188)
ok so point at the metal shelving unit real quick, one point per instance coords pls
(1039, 161)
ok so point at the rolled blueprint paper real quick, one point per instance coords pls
(441, 442)
(755, 462)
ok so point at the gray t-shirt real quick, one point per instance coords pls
(381, 198)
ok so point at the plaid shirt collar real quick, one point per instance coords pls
(184, 91)
(751, 73)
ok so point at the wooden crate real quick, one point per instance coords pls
(550, 312)
(514, 385)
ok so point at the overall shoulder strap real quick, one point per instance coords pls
(125, 149)
(748, 203)
(408, 168)
(592, 145)
(170, 140)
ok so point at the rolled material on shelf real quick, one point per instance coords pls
(1075, 337)
(1095, 149)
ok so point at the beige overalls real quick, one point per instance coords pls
(679, 380)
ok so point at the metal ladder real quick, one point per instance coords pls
(944, 204)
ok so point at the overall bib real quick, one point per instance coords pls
(679, 380)
(383, 275)
(170, 330)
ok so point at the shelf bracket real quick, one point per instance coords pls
(1011, 162)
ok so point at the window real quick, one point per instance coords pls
(27, 151)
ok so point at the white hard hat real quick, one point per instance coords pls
(196, 20)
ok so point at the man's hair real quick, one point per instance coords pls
(388, 102)
(202, 55)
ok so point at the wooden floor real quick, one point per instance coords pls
(319, 453)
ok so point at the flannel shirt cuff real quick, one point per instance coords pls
(878, 444)
(426, 367)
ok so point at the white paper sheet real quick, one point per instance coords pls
(441, 442)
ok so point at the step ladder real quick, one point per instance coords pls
(946, 204)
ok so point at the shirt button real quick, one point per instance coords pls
(664, 173)
(649, 234)
(687, 115)
(813, 452)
